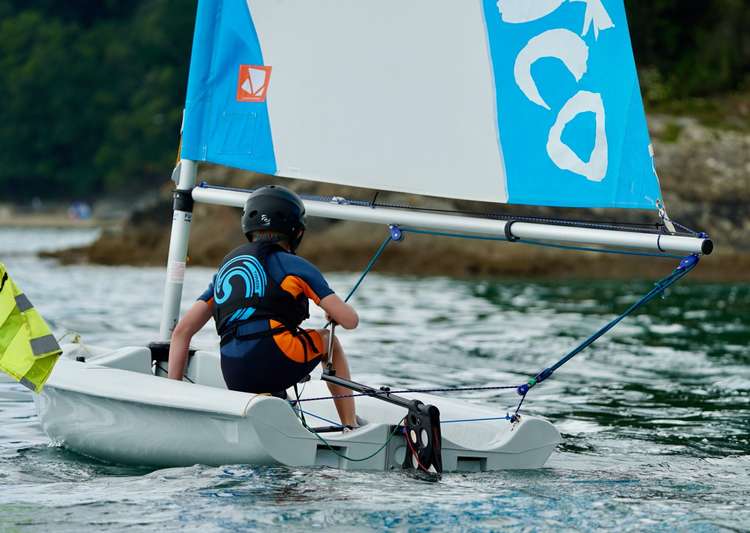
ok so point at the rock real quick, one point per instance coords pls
(705, 177)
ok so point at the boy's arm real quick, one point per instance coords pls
(303, 276)
(339, 311)
(189, 325)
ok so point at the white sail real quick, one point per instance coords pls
(527, 103)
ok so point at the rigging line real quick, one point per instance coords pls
(460, 420)
(301, 412)
(518, 407)
(369, 266)
(654, 227)
(367, 270)
(402, 391)
(598, 250)
(319, 418)
(685, 266)
(397, 429)
(660, 288)
(185, 378)
(627, 226)
(622, 226)
(688, 230)
(76, 337)
(539, 243)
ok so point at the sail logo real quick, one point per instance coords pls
(252, 83)
(573, 52)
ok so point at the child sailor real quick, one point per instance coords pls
(259, 298)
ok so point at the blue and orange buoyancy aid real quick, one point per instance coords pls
(244, 292)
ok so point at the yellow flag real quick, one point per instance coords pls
(28, 350)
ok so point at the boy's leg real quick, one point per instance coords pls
(344, 406)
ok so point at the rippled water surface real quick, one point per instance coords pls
(655, 417)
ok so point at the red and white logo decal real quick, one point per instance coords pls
(252, 84)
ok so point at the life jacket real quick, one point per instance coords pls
(245, 292)
(28, 350)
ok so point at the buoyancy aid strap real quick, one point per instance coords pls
(257, 330)
(250, 333)
(306, 339)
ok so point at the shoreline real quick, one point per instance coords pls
(56, 222)
(347, 247)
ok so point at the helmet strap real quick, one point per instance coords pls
(294, 242)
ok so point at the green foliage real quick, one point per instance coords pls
(690, 49)
(91, 91)
(91, 95)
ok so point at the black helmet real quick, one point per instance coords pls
(275, 208)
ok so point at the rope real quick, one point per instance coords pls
(685, 266)
(383, 392)
(539, 243)
(369, 267)
(389, 238)
(184, 378)
(459, 420)
(333, 423)
(393, 433)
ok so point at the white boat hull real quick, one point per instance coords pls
(112, 407)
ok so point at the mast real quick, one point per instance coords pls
(178, 244)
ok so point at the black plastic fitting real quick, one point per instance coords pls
(183, 200)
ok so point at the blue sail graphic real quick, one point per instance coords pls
(598, 64)
(508, 101)
(217, 127)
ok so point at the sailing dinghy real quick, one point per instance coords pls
(510, 101)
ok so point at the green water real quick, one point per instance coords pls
(655, 416)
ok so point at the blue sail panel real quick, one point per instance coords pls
(542, 67)
(218, 126)
(508, 101)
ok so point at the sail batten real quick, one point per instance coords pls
(502, 102)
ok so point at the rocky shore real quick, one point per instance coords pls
(705, 177)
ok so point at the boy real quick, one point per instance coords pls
(259, 297)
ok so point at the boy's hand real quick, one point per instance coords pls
(339, 311)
